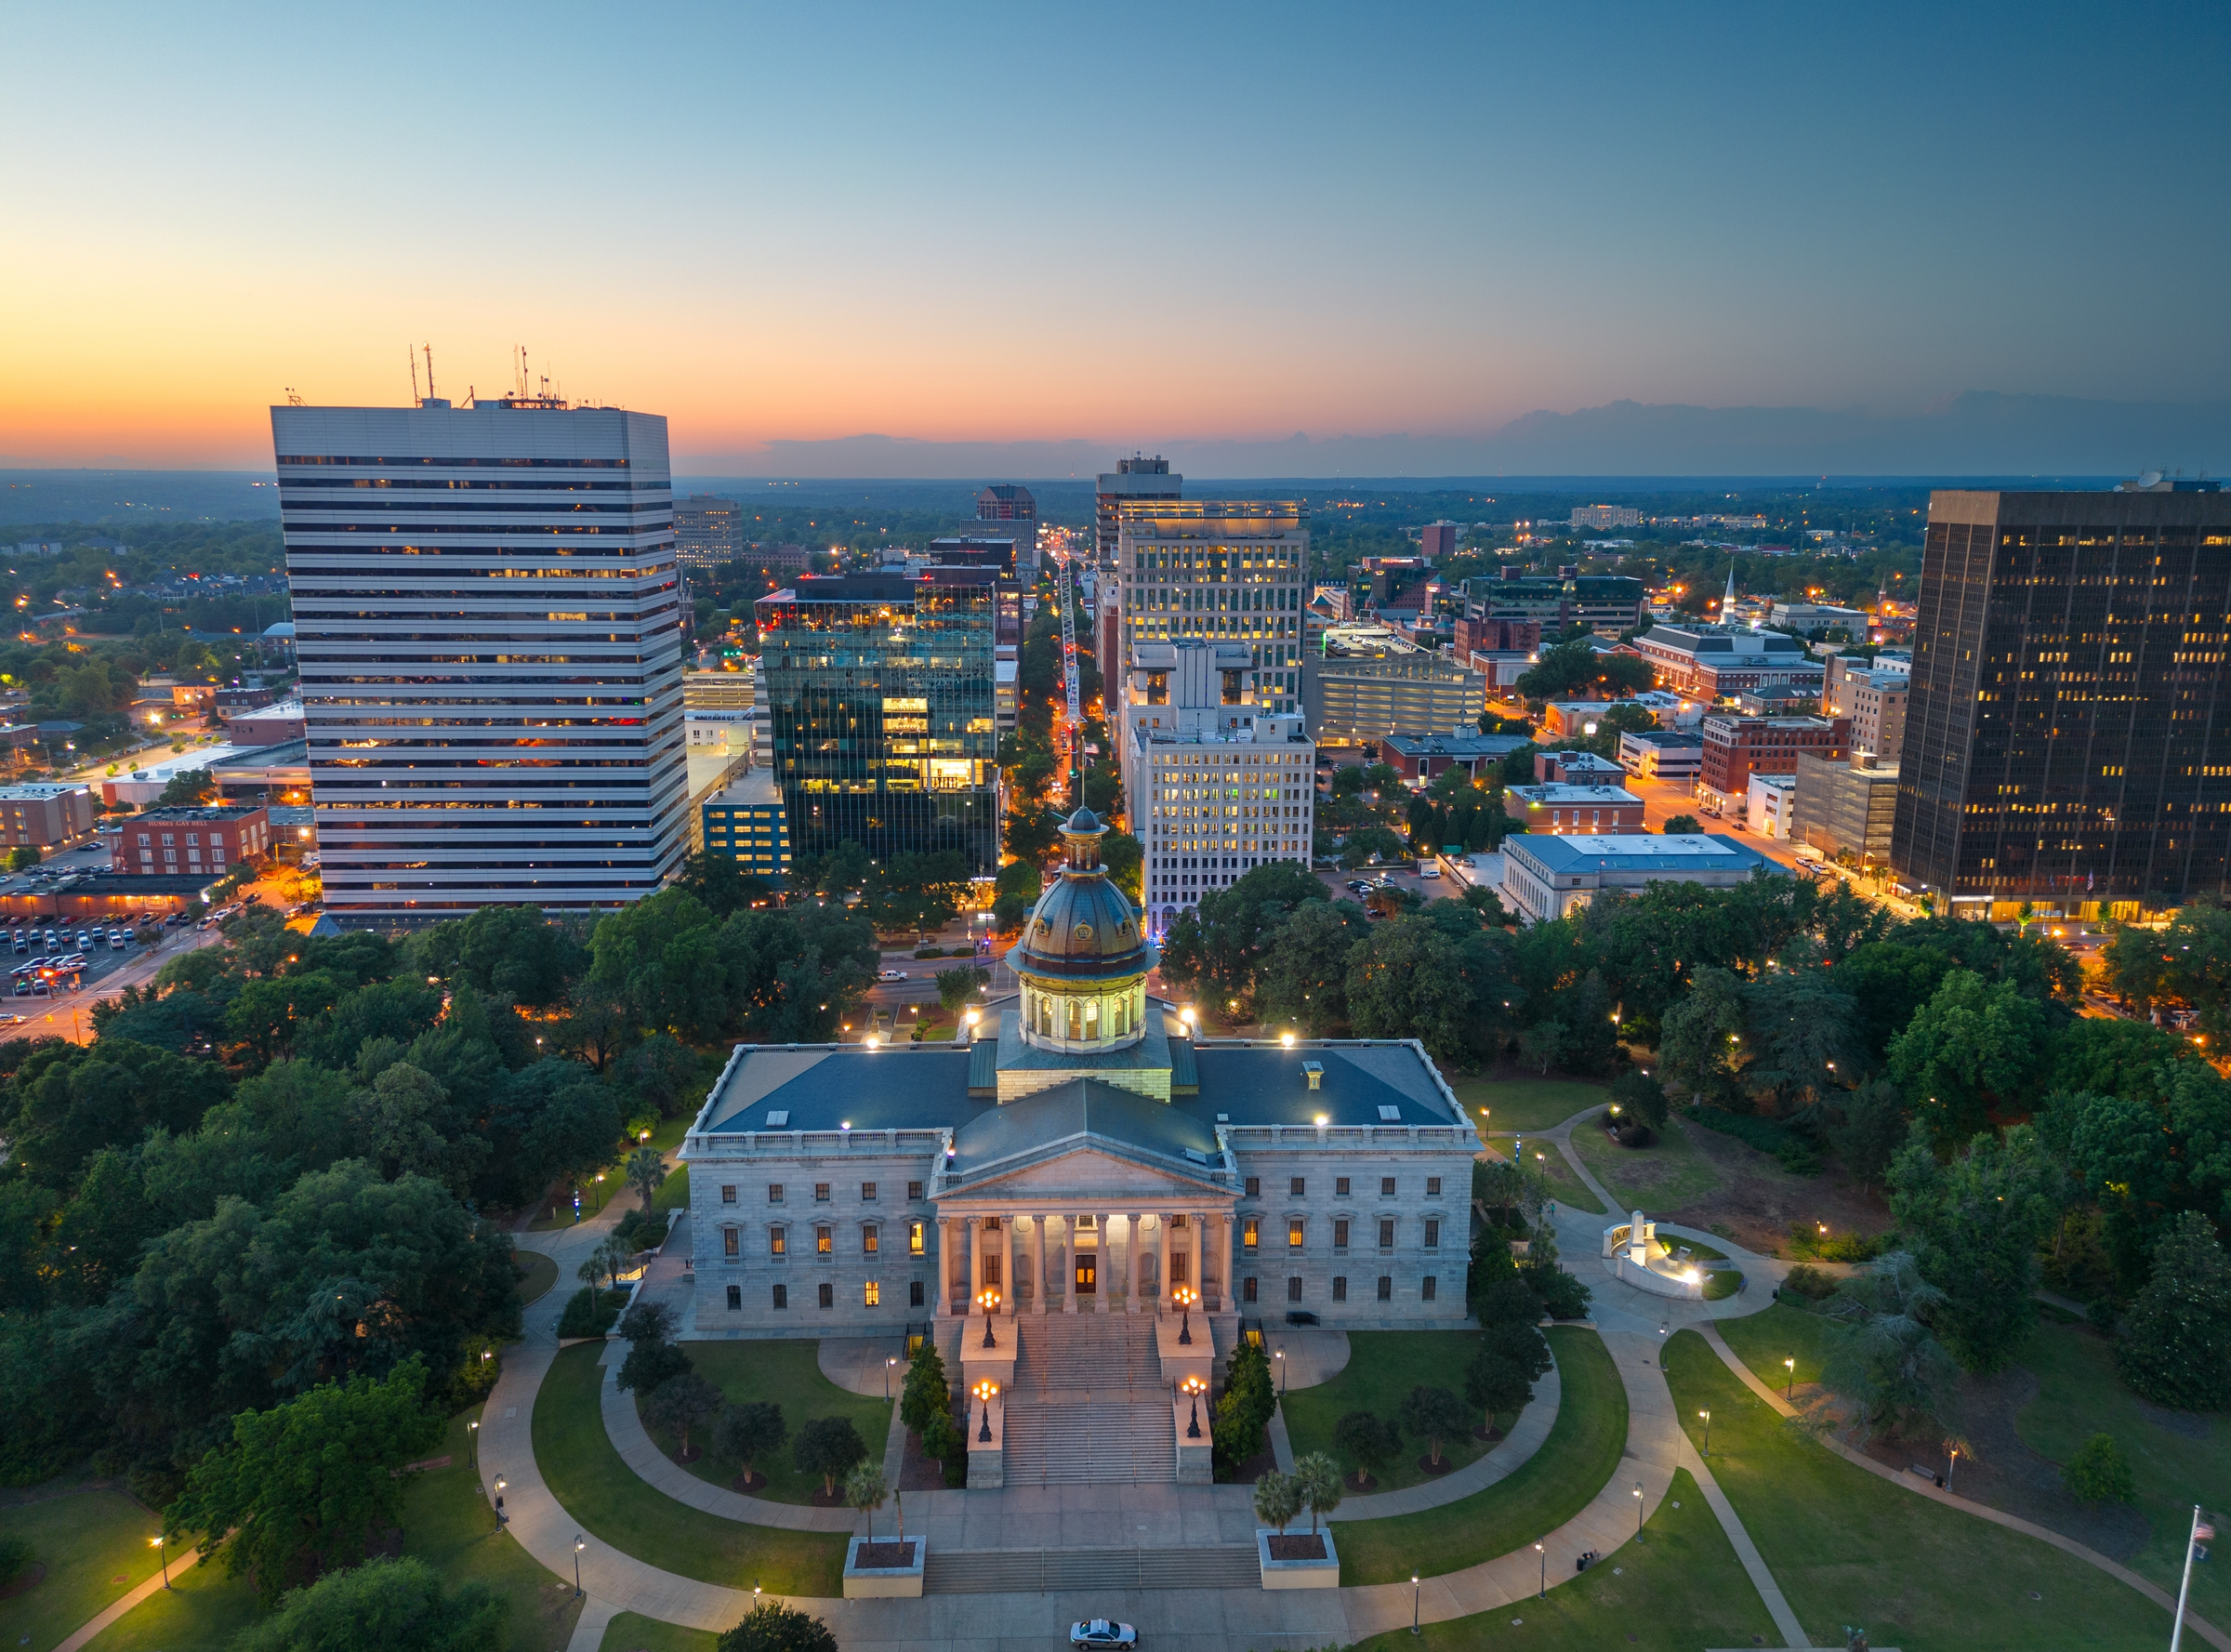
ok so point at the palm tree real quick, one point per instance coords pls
(1317, 1478)
(645, 1169)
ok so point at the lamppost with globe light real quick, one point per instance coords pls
(1194, 1387)
(984, 1391)
(1638, 1513)
(1187, 1296)
(888, 1363)
(160, 1543)
(1708, 1432)
(472, 1439)
(579, 1543)
(989, 1303)
(1544, 1593)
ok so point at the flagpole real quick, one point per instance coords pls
(2176, 1633)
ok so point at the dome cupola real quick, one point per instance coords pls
(1084, 956)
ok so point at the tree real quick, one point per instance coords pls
(682, 1403)
(186, 788)
(1700, 1044)
(748, 1433)
(1367, 845)
(2099, 1473)
(1317, 1480)
(2176, 1339)
(1975, 1224)
(302, 1486)
(2155, 1143)
(22, 857)
(865, 1490)
(1641, 1098)
(646, 1170)
(957, 986)
(1520, 1343)
(1494, 1385)
(1971, 1055)
(1433, 1414)
(926, 1393)
(1125, 858)
(1244, 1410)
(1277, 1499)
(829, 1447)
(1369, 1442)
(1801, 1036)
(1406, 981)
(1303, 977)
(1889, 1364)
(1868, 1128)
(773, 1627)
(650, 1366)
(1541, 1044)
(383, 1606)
(1683, 825)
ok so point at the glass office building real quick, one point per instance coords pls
(2061, 740)
(880, 689)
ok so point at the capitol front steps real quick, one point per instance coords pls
(1086, 1355)
(1096, 1444)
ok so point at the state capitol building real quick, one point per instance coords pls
(1079, 1150)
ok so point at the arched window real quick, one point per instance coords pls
(1077, 1019)
(1091, 1018)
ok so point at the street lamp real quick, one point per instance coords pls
(1953, 1464)
(1194, 1387)
(984, 1391)
(1416, 1590)
(1545, 1572)
(1638, 1513)
(989, 1302)
(501, 1519)
(472, 1440)
(1280, 1357)
(1789, 1392)
(1186, 1297)
(579, 1543)
(160, 1543)
(888, 1363)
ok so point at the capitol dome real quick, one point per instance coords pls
(1084, 956)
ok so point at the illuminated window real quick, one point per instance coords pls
(871, 1294)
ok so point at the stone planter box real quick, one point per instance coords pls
(1298, 1574)
(987, 1459)
(879, 1583)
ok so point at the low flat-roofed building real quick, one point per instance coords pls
(1564, 810)
(1845, 808)
(1547, 877)
(1718, 662)
(1737, 747)
(746, 823)
(207, 841)
(41, 815)
(1420, 758)
(269, 725)
(1778, 699)
(1767, 806)
(1662, 754)
(1575, 768)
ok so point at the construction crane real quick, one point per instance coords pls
(1076, 721)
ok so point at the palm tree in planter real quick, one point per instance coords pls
(864, 1489)
(645, 1169)
(1278, 1499)
(1317, 1479)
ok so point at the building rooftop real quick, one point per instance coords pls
(1457, 744)
(1640, 852)
(1550, 793)
(1720, 640)
(755, 789)
(1665, 738)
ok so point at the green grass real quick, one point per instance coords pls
(1763, 1340)
(674, 1192)
(1568, 1188)
(665, 1136)
(630, 1633)
(1720, 1286)
(787, 1373)
(1555, 1484)
(2079, 1394)
(448, 1523)
(1664, 1176)
(1681, 1589)
(1523, 1104)
(203, 1612)
(585, 1474)
(537, 1273)
(1849, 1547)
(85, 1540)
(1383, 1365)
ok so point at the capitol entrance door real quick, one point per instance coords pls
(1086, 1272)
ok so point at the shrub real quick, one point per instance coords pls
(1806, 1240)
(773, 1627)
(383, 1606)
(1562, 1296)
(590, 1312)
(1796, 1153)
(1810, 1283)
(929, 952)
(2097, 1473)
(1641, 1098)
(1634, 1135)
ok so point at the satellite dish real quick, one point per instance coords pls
(2149, 479)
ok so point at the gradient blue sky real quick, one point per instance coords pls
(1141, 223)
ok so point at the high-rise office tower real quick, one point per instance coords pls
(2063, 743)
(880, 690)
(1012, 505)
(487, 616)
(708, 530)
(1223, 571)
(1133, 481)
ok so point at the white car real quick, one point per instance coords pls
(894, 975)
(1103, 1632)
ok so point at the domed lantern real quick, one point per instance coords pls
(1084, 956)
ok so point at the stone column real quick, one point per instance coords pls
(975, 1227)
(1131, 1261)
(945, 1263)
(1069, 1263)
(1228, 1287)
(1037, 1263)
(1006, 1289)
(1162, 1259)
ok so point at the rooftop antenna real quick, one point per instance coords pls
(429, 373)
(1727, 606)
(411, 356)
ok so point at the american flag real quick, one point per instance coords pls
(2203, 1533)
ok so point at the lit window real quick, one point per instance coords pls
(872, 1294)
(730, 1240)
(870, 1239)
(824, 1241)
(1293, 1234)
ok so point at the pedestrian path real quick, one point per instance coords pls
(1525, 1438)
(2067, 1545)
(1777, 1603)
(124, 1603)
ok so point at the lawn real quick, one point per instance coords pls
(1681, 1589)
(596, 1195)
(537, 1273)
(674, 1192)
(1527, 1103)
(93, 1545)
(631, 1633)
(1383, 1365)
(1847, 1547)
(203, 1612)
(1667, 1175)
(607, 1497)
(1567, 1188)
(1552, 1486)
(2079, 1394)
(786, 1374)
(1763, 1340)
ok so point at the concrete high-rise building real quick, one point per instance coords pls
(1134, 480)
(2063, 738)
(1437, 540)
(1213, 786)
(1361, 697)
(881, 692)
(1012, 504)
(1220, 571)
(708, 531)
(488, 619)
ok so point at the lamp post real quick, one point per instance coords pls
(472, 1441)
(1544, 1593)
(1790, 1389)
(989, 1302)
(888, 1363)
(1186, 1297)
(1194, 1387)
(1417, 1589)
(984, 1391)
(1952, 1465)
(160, 1543)
(1708, 1432)
(1280, 1356)
(501, 1519)
(579, 1543)
(1638, 1513)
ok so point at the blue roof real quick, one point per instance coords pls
(1570, 856)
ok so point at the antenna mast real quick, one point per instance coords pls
(411, 356)
(429, 372)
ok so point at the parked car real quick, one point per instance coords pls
(1300, 1317)
(1103, 1632)
(890, 974)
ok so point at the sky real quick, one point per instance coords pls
(786, 227)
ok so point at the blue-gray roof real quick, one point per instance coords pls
(1071, 1111)
(1579, 855)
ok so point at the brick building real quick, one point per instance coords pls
(192, 841)
(42, 815)
(1604, 811)
(1737, 747)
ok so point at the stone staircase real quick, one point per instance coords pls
(1095, 1444)
(1036, 1571)
(1087, 1356)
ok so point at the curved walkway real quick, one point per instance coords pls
(1883, 1471)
